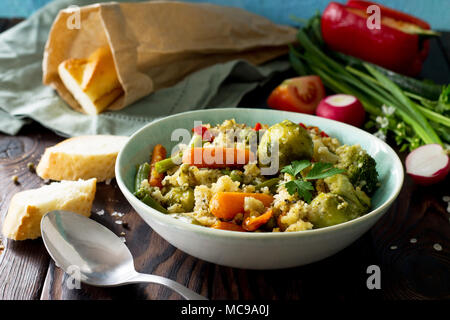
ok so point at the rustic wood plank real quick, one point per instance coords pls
(404, 243)
(23, 264)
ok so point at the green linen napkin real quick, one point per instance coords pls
(23, 96)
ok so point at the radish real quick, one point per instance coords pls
(342, 107)
(428, 164)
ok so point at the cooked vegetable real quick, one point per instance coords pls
(148, 200)
(143, 173)
(428, 164)
(225, 205)
(357, 200)
(391, 109)
(360, 167)
(254, 223)
(183, 196)
(301, 94)
(217, 157)
(257, 127)
(268, 183)
(144, 195)
(237, 175)
(203, 132)
(293, 142)
(300, 184)
(167, 164)
(158, 154)
(397, 45)
(227, 226)
(329, 209)
(342, 107)
(244, 198)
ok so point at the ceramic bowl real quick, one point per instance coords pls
(272, 250)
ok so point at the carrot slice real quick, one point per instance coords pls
(227, 226)
(159, 153)
(253, 223)
(217, 157)
(225, 205)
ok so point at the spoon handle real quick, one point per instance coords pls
(185, 292)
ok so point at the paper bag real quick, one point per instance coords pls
(155, 44)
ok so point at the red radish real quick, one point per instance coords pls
(428, 164)
(342, 107)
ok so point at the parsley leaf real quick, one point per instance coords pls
(319, 170)
(322, 170)
(296, 167)
(302, 187)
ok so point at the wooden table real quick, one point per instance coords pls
(402, 244)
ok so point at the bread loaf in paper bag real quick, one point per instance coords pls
(122, 52)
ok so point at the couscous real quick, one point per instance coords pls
(283, 178)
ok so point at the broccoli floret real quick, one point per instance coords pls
(360, 167)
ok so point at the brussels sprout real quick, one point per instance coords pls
(341, 185)
(328, 209)
(183, 196)
(294, 143)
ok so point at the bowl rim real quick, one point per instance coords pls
(206, 231)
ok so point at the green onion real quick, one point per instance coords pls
(375, 87)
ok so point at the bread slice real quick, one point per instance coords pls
(93, 81)
(82, 157)
(27, 208)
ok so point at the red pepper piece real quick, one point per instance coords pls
(257, 127)
(400, 16)
(204, 133)
(344, 29)
(385, 11)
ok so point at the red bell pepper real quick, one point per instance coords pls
(395, 46)
(203, 132)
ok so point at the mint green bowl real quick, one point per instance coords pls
(257, 250)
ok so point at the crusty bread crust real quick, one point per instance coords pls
(82, 157)
(27, 208)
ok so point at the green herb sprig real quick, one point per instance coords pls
(418, 110)
(300, 184)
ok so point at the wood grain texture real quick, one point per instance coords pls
(23, 265)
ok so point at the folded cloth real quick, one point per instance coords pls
(22, 94)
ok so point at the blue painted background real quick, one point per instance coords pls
(436, 12)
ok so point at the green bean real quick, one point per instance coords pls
(148, 200)
(142, 174)
(268, 183)
(167, 164)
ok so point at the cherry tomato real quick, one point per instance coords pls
(301, 94)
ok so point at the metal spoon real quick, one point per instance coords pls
(101, 257)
